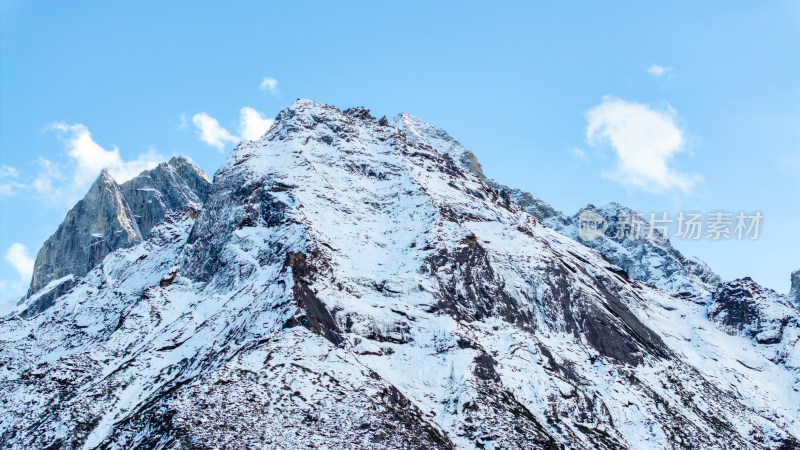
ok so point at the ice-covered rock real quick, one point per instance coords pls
(746, 308)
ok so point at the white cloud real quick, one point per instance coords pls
(211, 132)
(656, 70)
(60, 183)
(90, 158)
(19, 257)
(645, 141)
(269, 84)
(252, 124)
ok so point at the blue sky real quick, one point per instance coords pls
(556, 98)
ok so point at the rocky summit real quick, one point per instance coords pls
(350, 282)
(110, 217)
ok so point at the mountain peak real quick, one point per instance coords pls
(105, 177)
(794, 293)
(95, 226)
(113, 216)
(304, 103)
(175, 185)
(420, 131)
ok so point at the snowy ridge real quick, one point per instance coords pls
(651, 258)
(348, 285)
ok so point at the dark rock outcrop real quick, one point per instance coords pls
(744, 307)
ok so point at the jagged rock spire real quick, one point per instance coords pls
(113, 216)
(97, 225)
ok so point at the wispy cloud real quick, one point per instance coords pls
(645, 141)
(252, 125)
(8, 180)
(8, 171)
(269, 84)
(579, 154)
(656, 70)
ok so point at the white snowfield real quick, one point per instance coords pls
(353, 285)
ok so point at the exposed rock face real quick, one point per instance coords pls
(113, 216)
(350, 286)
(794, 293)
(744, 307)
(99, 224)
(175, 185)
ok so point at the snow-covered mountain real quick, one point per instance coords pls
(355, 283)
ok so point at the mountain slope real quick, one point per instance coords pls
(649, 258)
(347, 285)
